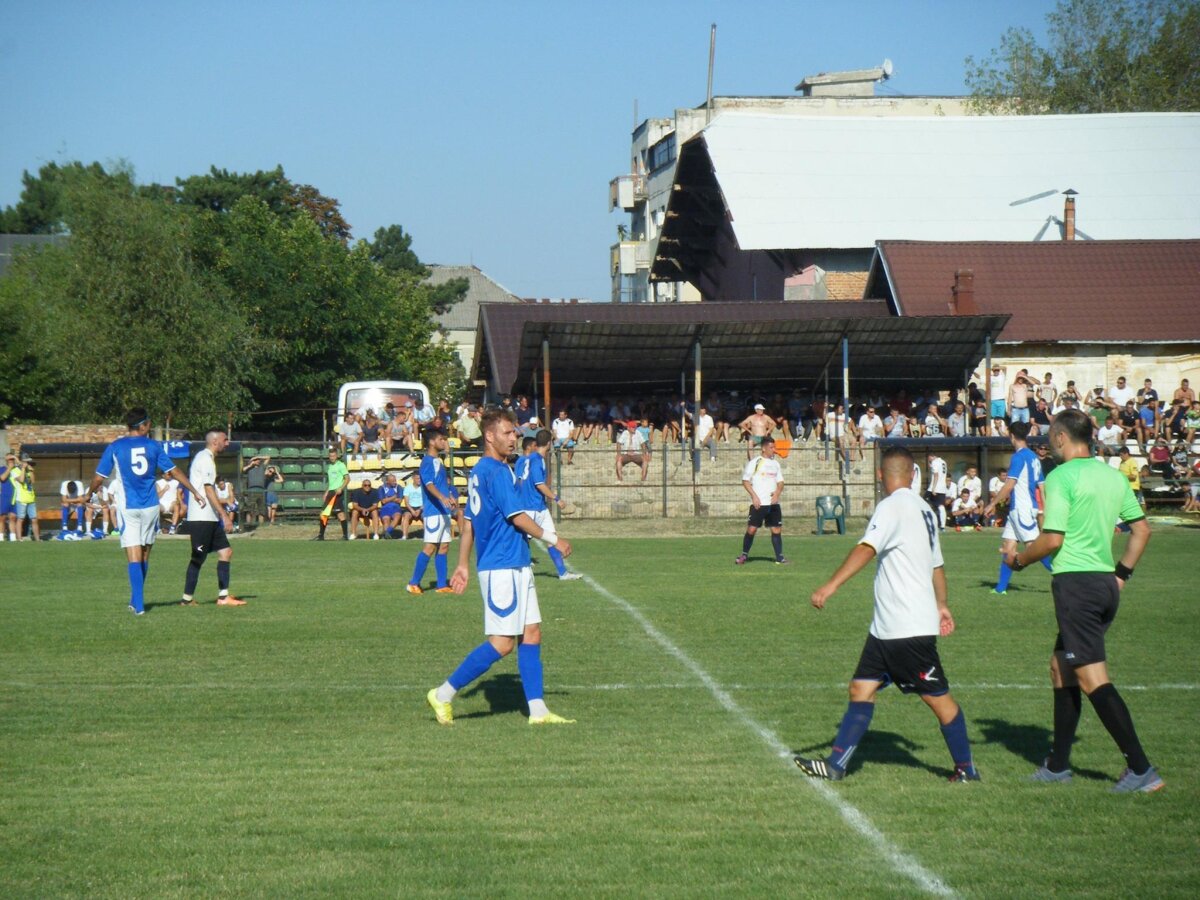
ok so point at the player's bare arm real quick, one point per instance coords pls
(754, 501)
(1046, 544)
(462, 572)
(854, 563)
(1001, 495)
(191, 488)
(523, 522)
(940, 593)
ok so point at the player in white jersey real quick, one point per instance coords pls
(763, 480)
(1021, 491)
(910, 613)
(209, 524)
(937, 488)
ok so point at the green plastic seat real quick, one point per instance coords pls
(248, 452)
(831, 509)
(272, 452)
(290, 469)
(313, 469)
(289, 453)
(314, 486)
(310, 453)
(291, 503)
(314, 502)
(293, 485)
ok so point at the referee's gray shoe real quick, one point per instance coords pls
(1146, 783)
(1046, 775)
(819, 768)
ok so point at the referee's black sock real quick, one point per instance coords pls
(747, 540)
(1116, 718)
(777, 544)
(345, 529)
(1068, 701)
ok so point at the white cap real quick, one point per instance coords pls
(533, 420)
(759, 406)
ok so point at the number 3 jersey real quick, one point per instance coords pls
(904, 534)
(138, 460)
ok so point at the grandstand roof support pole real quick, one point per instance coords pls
(845, 467)
(987, 377)
(696, 395)
(546, 381)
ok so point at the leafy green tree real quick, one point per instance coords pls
(1102, 56)
(39, 210)
(392, 250)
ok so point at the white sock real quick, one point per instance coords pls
(445, 693)
(537, 709)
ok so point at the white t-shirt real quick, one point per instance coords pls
(995, 485)
(916, 482)
(203, 472)
(704, 427)
(835, 424)
(103, 495)
(169, 489)
(1122, 395)
(66, 487)
(1047, 392)
(937, 475)
(903, 532)
(870, 426)
(763, 474)
(958, 424)
(351, 431)
(974, 485)
(562, 429)
(1111, 433)
(933, 426)
(631, 441)
(999, 386)
(961, 505)
(116, 490)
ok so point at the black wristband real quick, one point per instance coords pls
(1124, 572)
(1017, 566)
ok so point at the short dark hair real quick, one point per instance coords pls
(766, 440)
(542, 438)
(1075, 424)
(135, 417)
(527, 442)
(1019, 430)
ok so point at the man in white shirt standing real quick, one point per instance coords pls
(562, 429)
(705, 435)
(910, 613)
(937, 488)
(209, 525)
(763, 481)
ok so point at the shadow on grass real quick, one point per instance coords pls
(886, 748)
(1015, 588)
(503, 694)
(213, 602)
(1030, 742)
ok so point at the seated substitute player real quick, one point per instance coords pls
(531, 471)
(437, 507)
(390, 510)
(71, 493)
(763, 480)
(965, 511)
(364, 506)
(910, 613)
(414, 498)
(1021, 491)
(1084, 496)
(99, 514)
(497, 525)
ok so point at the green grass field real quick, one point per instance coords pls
(285, 749)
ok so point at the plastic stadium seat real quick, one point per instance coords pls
(459, 481)
(268, 451)
(355, 465)
(455, 443)
(313, 469)
(412, 462)
(393, 463)
(310, 453)
(830, 508)
(469, 461)
(314, 486)
(293, 485)
(248, 452)
(291, 503)
(418, 447)
(314, 502)
(290, 469)
(289, 453)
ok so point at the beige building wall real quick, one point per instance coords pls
(1092, 364)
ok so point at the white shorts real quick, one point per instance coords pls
(165, 510)
(1017, 528)
(139, 527)
(437, 528)
(545, 521)
(509, 601)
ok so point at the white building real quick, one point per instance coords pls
(645, 190)
(461, 322)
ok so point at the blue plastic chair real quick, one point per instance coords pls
(831, 509)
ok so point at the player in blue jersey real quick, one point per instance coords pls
(1021, 490)
(390, 497)
(498, 525)
(138, 459)
(438, 507)
(531, 472)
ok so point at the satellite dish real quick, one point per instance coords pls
(887, 68)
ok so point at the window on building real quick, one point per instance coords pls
(662, 153)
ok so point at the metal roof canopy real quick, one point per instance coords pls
(742, 345)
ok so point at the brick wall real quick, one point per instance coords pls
(19, 435)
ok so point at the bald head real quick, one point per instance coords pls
(896, 469)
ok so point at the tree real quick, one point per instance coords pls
(1102, 56)
(392, 251)
(40, 207)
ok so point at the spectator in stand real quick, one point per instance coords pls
(424, 415)
(1146, 393)
(1068, 394)
(705, 435)
(1132, 471)
(1128, 419)
(896, 424)
(1040, 417)
(1185, 393)
(1111, 437)
(531, 427)
(563, 431)
(999, 386)
(414, 502)
(1191, 422)
(779, 412)
(1001, 510)
(755, 428)
(387, 414)
(272, 478)
(915, 428)
(1149, 424)
(350, 436)
(469, 433)
(1100, 410)
(965, 511)
(1121, 393)
(958, 421)
(228, 500)
(1046, 459)
(364, 506)
(399, 432)
(25, 495)
(8, 504)
(391, 508)
(371, 429)
(1047, 391)
(935, 425)
(1018, 397)
(524, 412)
(1191, 499)
(73, 501)
(631, 448)
(1173, 420)
(1179, 459)
(1159, 458)
(870, 428)
(840, 430)
(979, 415)
(168, 502)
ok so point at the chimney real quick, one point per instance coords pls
(1069, 215)
(963, 303)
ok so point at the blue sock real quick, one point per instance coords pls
(389, 531)
(66, 517)
(1049, 565)
(476, 663)
(136, 583)
(419, 568)
(557, 559)
(439, 565)
(529, 665)
(145, 569)
(956, 742)
(854, 725)
(1005, 577)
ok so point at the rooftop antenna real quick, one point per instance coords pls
(712, 50)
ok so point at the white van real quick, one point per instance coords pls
(359, 396)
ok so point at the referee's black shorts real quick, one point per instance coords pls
(207, 537)
(771, 516)
(911, 663)
(1085, 604)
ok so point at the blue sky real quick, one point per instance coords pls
(489, 131)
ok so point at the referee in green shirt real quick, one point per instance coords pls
(1084, 499)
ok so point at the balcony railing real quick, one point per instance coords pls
(626, 192)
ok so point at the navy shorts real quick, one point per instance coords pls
(911, 663)
(1085, 605)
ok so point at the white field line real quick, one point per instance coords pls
(392, 686)
(898, 859)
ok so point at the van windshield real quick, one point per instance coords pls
(359, 400)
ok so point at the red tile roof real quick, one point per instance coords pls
(1060, 291)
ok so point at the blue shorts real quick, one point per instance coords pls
(272, 498)
(1020, 414)
(26, 510)
(7, 506)
(998, 409)
(390, 509)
